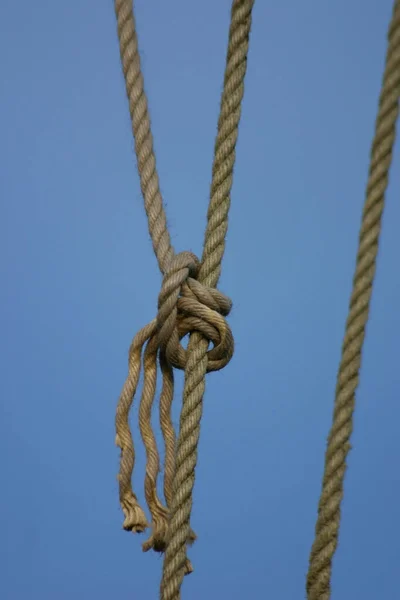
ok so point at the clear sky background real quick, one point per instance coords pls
(79, 279)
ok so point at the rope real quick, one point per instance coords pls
(327, 526)
(209, 273)
(188, 304)
(138, 109)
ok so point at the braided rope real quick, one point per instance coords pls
(214, 245)
(142, 133)
(135, 519)
(185, 306)
(327, 526)
(188, 304)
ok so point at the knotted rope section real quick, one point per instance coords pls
(184, 306)
(327, 527)
(209, 273)
(189, 303)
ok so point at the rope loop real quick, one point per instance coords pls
(186, 306)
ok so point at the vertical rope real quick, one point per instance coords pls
(188, 304)
(328, 521)
(214, 246)
(138, 109)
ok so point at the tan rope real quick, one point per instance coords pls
(142, 134)
(188, 304)
(214, 246)
(327, 527)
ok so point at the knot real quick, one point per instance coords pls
(186, 306)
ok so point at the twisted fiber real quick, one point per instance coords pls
(186, 460)
(167, 305)
(142, 133)
(166, 425)
(182, 266)
(224, 150)
(197, 361)
(184, 306)
(159, 513)
(195, 300)
(135, 519)
(204, 310)
(327, 526)
(168, 433)
(175, 301)
(157, 510)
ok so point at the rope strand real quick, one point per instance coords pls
(214, 246)
(328, 521)
(188, 304)
(138, 107)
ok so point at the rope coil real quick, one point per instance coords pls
(185, 306)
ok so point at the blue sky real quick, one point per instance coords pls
(79, 279)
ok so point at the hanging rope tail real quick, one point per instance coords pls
(328, 521)
(188, 303)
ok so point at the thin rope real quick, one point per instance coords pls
(209, 273)
(328, 521)
(144, 150)
(188, 304)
